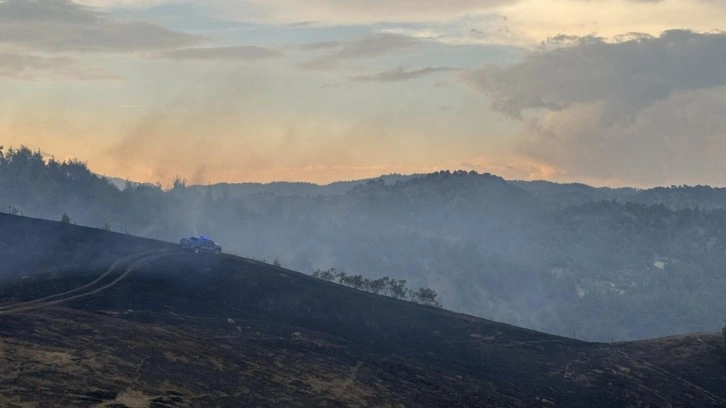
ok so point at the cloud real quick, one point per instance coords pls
(627, 75)
(335, 12)
(513, 22)
(54, 11)
(400, 74)
(30, 67)
(124, 3)
(523, 23)
(370, 46)
(529, 25)
(640, 108)
(236, 53)
(678, 140)
(61, 25)
(321, 45)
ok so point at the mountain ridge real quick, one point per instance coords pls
(588, 263)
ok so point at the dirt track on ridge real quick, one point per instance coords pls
(116, 273)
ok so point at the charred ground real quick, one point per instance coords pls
(93, 318)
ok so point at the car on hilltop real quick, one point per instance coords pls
(200, 244)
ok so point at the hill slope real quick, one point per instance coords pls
(93, 318)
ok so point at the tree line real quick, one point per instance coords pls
(387, 286)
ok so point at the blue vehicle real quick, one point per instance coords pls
(200, 244)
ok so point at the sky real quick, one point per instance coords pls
(616, 92)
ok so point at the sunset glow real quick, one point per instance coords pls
(319, 91)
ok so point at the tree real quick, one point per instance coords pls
(398, 288)
(65, 219)
(106, 227)
(376, 286)
(178, 183)
(329, 275)
(356, 281)
(342, 277)
(426, 296)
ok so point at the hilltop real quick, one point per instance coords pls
(95, 318)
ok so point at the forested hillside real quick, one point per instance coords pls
(593, 263)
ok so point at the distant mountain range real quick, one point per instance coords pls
(574, 260)
(278, 187)
(555, 194)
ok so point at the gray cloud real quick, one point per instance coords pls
(321, 45)
(400, 74)
(639, 109)
(633, 73)
(355, 12)
(49, 11)
(371, 46)
(237, 53)
(61, 25)
(679, 140)
(31, 67)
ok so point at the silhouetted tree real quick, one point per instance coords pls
(376, 286)
(342, 277)
(356, 281)
(65, 219)
(397, 288)
(426, 296)
(178, 183)
(329, 275)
